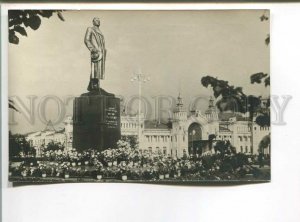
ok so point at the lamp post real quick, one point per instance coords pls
(140, 78)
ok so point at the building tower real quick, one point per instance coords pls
(211, 113)
(180, 114)
(178, 133)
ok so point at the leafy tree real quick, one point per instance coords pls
(53, 146)
(14, 147)
(264, 143)
(211, 137)
(18, 145)
(259, 77)
(224, 147)
(234, 99)
(264, 118)
(19, 20)
(132, 140)
(11, 105)
(264, 17)
(262, 77)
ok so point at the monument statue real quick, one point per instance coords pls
(94, 41)
(96, 114)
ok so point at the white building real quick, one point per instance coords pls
(189, 133)
(39, 140)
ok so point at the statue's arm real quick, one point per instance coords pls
(87, 39)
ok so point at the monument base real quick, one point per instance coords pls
(96, 121)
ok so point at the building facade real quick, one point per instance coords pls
(185, 133)
(40, 140)
(189, 133)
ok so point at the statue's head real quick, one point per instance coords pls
(96, 21)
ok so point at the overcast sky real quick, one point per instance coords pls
(175, 48)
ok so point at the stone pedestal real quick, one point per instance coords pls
(96, 121)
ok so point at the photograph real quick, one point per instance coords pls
(139, 96)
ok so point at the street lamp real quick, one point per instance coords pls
(140, 78)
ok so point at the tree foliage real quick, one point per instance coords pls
(11, 105)
(263, 18)
(224, 147)
(132, 140)
(233, 99)
(264, 143)
(259, 78)
(20, 20)
(53, 146)
(18, 145)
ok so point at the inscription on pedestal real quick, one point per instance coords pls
(96, 122)
(111, 118)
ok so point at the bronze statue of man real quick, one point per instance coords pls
(94, 41)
